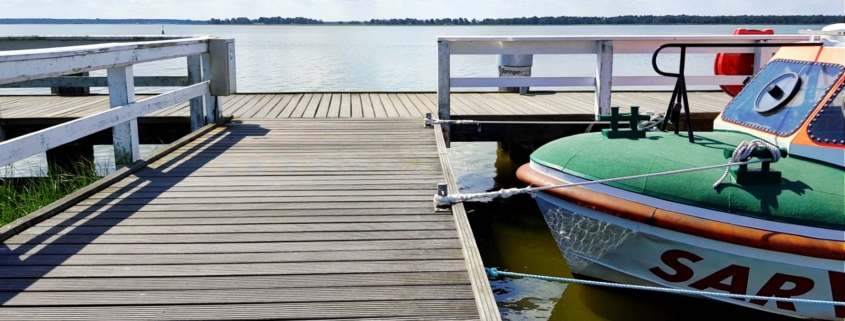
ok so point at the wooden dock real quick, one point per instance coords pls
(308, 205)
(540, 105)
(255, 219)
(312, 205)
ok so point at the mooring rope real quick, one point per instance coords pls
(651, 124)
(429, 122)
(743, 151)
(508, 192)
(654, 120)
(494, 273)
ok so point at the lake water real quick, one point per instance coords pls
(381, 58)
(510, 233)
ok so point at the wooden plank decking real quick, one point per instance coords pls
(371, 105)
(287, 219)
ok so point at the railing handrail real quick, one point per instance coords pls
(20, 65)
(211, 72)
(603, 46)
(667, 38)
(97, 38)
(45, 53)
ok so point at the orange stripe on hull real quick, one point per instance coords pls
(715, 230)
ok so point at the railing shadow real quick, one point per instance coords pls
(63, 241)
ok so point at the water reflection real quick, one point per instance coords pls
(512, 235)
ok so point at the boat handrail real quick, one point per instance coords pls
(679, 99)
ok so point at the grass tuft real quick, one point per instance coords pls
(21, 196)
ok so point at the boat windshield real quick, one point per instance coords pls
(782, 95)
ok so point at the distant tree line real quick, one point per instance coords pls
(266, 21)
(619, 20)
(103, 21)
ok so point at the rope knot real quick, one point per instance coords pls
(443, 200)
(743, 151)
(492, 272)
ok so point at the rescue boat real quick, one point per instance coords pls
(772, 230)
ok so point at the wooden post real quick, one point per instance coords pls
(125, 135)
(212, 112)
(194, 77)
(604, 77)
(443, 86)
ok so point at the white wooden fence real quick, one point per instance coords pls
(604, 47)
(211, 73)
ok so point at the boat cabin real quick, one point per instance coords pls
(796, 101)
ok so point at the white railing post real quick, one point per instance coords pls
(195, 77)
(604, 76)
(2, 132)
(125, 135)
(444, 86)
(212, 112)
(762, 56)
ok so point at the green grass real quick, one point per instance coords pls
(21, 196)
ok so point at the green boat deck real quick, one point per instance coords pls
(810, 193)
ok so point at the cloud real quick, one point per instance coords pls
(331, 10)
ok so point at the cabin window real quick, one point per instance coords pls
(829, 124)
(781, 110)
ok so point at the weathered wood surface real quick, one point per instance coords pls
(258, 219)
(564, 105)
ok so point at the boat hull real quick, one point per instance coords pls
(608, 247)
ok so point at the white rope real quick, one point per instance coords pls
(743, 150)
(429, 122)
(493, 272)
(505, 193)
(654, 120)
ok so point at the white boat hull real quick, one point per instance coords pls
(607, 247)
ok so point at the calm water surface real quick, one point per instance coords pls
(511, 233)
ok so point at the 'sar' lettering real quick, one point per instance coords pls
(672, 259)
(738, 284)
(774, 287)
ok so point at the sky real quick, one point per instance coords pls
(345, 10)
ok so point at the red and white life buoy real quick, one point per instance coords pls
(737, 64)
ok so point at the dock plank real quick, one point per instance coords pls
(376, 105)
(345, 107)
(349, 281)
(324, 109)
(388, 310)
(357, 109)
(303, 104)
(291, 106)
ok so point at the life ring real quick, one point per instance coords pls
(737, 64)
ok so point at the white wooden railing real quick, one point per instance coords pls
(604, 47)
(43, 42)
(211, 73)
